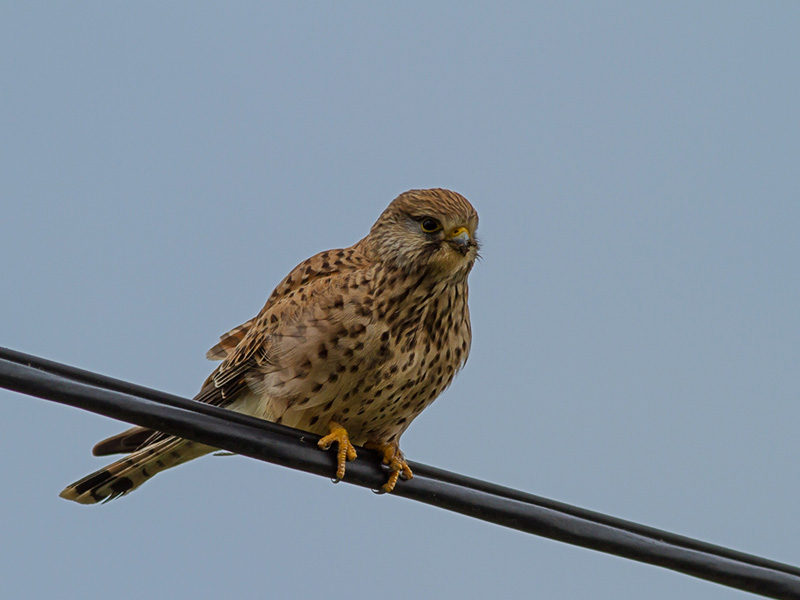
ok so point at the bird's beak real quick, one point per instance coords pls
(460, 239)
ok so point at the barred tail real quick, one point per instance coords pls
(119, 478)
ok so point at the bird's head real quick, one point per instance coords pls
(426, 230)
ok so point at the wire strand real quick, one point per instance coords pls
(296, 449)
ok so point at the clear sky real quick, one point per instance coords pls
(636, 328)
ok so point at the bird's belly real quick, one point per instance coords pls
(375, 409)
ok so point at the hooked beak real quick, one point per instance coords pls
(460, 239)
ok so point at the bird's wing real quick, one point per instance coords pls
(305, 327)
(301, 309)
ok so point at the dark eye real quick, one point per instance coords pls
(430, 225)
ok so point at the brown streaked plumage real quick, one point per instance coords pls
(352, 345)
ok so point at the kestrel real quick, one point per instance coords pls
(352, 345)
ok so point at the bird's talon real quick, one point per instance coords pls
(395, 464)
(389, 485)
(346, 450)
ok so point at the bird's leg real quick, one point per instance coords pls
(346, 451)
(398, 467)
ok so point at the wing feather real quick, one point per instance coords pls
(228, 341)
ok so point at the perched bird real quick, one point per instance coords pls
(352, 345)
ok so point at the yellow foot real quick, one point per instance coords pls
(398, 467)
(346, 451)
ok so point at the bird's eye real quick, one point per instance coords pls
(430, 225)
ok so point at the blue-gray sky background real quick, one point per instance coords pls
(637, 338)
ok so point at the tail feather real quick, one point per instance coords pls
(119, 478)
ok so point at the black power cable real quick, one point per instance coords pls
(296, 449)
